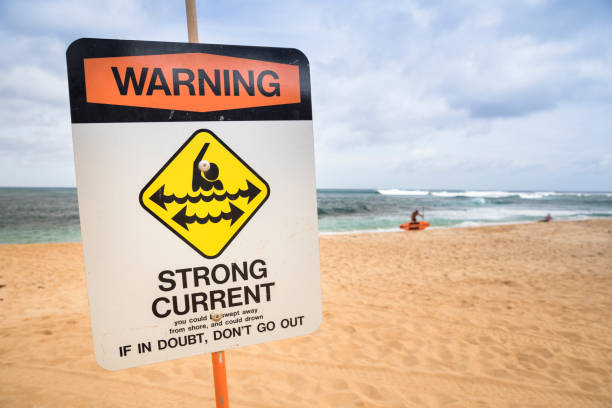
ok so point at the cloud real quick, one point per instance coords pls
(33, 83)
(502, 94)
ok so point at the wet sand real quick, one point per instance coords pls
(504, 316)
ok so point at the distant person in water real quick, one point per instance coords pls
(415, 214)
(547, 218)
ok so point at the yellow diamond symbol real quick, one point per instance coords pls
(205, 194)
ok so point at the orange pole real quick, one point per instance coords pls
(221, 394)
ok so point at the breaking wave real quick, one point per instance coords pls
(395, 191)
(527, 195)
(494, 194)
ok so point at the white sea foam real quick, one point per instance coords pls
(528, 195)
(363, 231)
(586, 194)
(395, 191)
(473, 194)
(537, 195)
(480, 214)
(493, 194)
(468, 224)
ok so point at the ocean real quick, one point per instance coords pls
(385, 210)
(30, 215)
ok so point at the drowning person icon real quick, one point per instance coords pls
(205, 173)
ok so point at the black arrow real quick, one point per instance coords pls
(182, 219)
(251, 191)
(234, 214)
(161, 199)
(158, 197)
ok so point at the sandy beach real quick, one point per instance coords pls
(502, 316)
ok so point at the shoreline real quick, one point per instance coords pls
(451, 227)
(375, 231)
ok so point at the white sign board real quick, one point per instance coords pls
(195, 177)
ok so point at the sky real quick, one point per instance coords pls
(483, 95)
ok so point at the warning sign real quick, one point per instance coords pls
(206, 207)
(197, 197)
(198, 82)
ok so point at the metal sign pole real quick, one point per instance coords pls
(218, 358)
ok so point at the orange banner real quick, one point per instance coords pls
(194, 82)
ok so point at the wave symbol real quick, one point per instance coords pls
(182, 219)
(161, 199)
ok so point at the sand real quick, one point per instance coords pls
(504, 316)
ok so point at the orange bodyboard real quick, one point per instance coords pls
(414, 226)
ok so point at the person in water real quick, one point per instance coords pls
(415, 214)
(547, 218)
